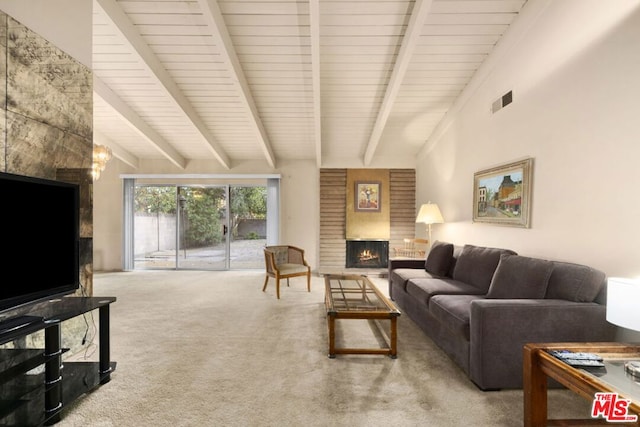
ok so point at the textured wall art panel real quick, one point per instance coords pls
(46, 84)
(3, 87)
(46, 123)
(37, 149)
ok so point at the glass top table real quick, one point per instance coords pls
(612, 378)
(356, 297)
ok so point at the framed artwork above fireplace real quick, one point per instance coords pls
(367, 196)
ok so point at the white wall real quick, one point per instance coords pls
(65, 23)
(575, 77)
(299, 204)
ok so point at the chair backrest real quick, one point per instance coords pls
(282, 254)
(413, 248)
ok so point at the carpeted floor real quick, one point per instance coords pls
(210, 349)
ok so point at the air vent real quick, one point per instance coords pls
(502, 102)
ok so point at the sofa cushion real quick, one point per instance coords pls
(453, 311)
(520, 277)
(423, 289)
(400, 276)
(575, 282)
(476, 265)
(439, 258)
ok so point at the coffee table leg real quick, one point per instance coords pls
(331, 320)
(534, 389)
(393, 337)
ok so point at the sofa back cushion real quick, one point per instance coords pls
(575, 282)
(476, 265)
(520, 277)
(457, 250)
(439, 259)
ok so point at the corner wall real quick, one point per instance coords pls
(575, 110)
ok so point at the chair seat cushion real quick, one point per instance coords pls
(286, 269)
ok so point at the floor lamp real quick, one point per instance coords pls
(429, 214)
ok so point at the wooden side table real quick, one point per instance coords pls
(539, 365)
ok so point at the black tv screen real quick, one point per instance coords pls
(40, 239)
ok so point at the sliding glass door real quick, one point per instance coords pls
(198, 227)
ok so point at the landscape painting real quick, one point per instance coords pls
(502, 195)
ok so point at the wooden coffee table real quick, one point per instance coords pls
(540, 365)
(355, 297)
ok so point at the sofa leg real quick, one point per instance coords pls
(266, 279)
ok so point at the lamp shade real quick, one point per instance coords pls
(430, 214)
(623, 303)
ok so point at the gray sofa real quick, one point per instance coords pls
(481, 305)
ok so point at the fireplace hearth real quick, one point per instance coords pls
(367, 253)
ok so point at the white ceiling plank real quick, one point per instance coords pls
(118, 151)
(416, 23)
(314, 30)
(121, 21)
(213, 17)
(322, 80)
(136, 122)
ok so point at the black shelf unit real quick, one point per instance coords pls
(35, 385)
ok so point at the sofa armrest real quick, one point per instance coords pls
(499, 328)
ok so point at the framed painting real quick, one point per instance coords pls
(502, 195)
(367, 196)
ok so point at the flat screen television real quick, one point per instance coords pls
(40, 239)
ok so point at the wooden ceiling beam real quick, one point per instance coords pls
(215, 22)
(137, 123)
(416, 23)
(156, 69)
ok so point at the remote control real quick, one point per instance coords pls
(583, 363)
(566, 354)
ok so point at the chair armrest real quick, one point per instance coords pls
(270, 262)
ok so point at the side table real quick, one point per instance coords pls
(539, 365)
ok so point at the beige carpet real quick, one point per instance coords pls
(211, 349)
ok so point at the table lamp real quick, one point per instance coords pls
(623, 309)
(429, 214)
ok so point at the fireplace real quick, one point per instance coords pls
(367, 253)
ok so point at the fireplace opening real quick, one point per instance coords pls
(367, 254)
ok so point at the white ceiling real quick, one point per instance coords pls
(322, 80)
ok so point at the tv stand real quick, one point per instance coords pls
(33, 385)
(17, 322)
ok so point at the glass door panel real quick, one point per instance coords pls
(248, 219)
(154, 224)
(202, 228)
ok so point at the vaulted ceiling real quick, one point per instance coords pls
(323, 80)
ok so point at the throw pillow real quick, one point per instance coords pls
(439, 259)
(520, 277)
(477, 264)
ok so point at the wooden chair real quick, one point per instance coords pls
(413, 248)
(284, 262)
